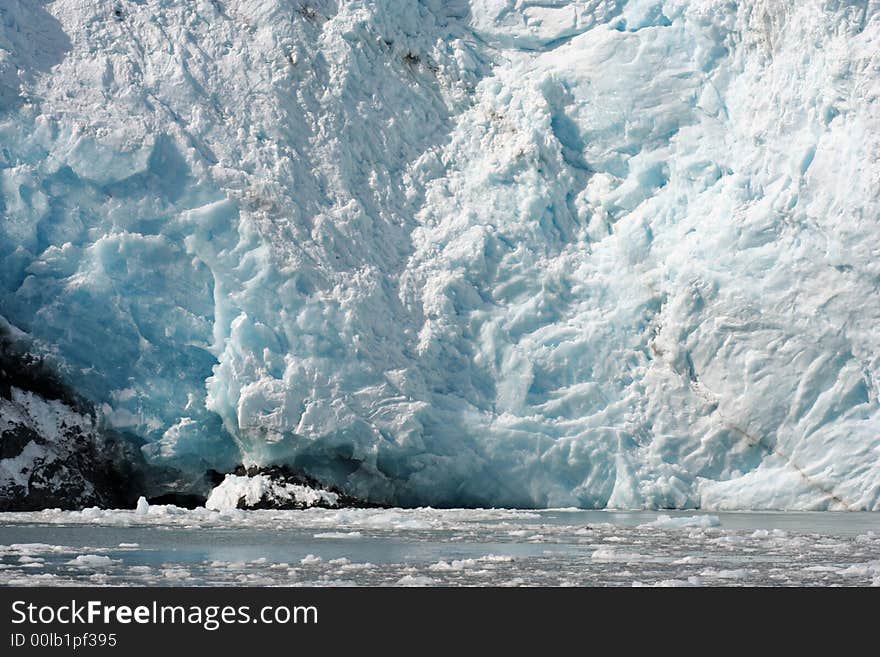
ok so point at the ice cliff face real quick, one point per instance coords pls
(594, 253)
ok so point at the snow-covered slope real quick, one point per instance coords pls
(594, 253)
(54, 453)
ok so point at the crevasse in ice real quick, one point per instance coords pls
(594, 253)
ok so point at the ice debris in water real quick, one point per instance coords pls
(668, 522)
(91, 561)
(447, 546)
(596, 254)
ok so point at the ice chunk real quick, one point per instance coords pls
(669, 522)
(91, 561)
(263, 491)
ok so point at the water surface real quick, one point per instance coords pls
(473, 547)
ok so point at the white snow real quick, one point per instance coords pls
(591, 253)
(233, 488)
(47, 418)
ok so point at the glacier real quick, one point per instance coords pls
(550, 253)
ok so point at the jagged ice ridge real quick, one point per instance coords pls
(595, 253)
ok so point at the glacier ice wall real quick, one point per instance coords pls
(592, 253)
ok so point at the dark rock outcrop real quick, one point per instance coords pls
(277, 487)
(53, 451)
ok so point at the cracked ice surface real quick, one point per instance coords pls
(595, 253)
